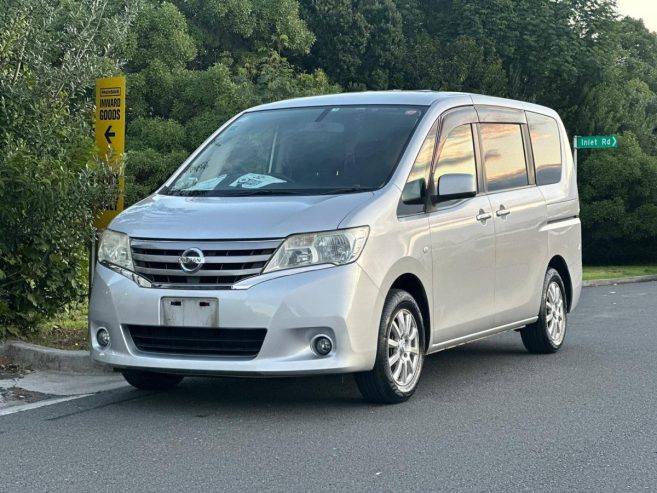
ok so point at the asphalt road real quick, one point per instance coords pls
(487, 417)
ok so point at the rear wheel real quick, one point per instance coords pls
(547, 334)
(150, 380)
(400, 352)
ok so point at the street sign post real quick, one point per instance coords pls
(593, 142)
(110, 141)
(110, 137)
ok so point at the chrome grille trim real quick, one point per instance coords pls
(205, 244)
(226, 262)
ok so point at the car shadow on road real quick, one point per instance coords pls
(443, 371)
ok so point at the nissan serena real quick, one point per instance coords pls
(350, 233)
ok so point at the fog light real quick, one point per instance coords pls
(103, 337)
(322, 345)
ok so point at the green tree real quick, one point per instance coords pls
(359, 42)
(50, 183)
(460, 65)
(243, 27)
(619, 204)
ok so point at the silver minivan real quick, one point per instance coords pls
(349, 233)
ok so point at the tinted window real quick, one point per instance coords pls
(546, 146)
(420, 171)
(504, 156)
(457, 153)
(317, 150)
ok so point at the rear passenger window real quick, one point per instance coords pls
(546, 146)
(457, 154)
(504, 156)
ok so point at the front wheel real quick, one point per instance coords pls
(547, 334)
(150, 380)
(400, 352)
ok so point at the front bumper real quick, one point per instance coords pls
(341, 302)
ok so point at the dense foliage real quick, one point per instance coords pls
(192, 64)
(50, 182)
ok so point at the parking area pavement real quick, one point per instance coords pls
(23, 390)
(486, 417)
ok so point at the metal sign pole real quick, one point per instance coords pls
(92, 260)
(575, 156)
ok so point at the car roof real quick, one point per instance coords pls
(410, 98)
(396, 97)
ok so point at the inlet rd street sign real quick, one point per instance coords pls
(110, 136)
(597, 142)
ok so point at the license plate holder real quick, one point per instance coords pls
(189, 312)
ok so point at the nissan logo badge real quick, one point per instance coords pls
(191, 260)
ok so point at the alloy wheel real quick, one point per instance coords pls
(555, 313)
(404, 349)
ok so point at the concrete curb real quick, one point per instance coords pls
(45, 358)
(618, 280)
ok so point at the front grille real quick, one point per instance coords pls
(197, 341)
(226, 262)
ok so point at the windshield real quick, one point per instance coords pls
(317, 150)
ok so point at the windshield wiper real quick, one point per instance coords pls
(243, 192)
(187, 193)
(273, 191)
(335, 191)
(258, 191)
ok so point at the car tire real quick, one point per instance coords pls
(547, 334)
(149, 380)
(400, 352)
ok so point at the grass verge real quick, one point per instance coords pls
(614, 271)
(68, 330)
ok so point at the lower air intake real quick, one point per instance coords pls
(197, 341)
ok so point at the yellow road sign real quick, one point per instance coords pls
(110, 136)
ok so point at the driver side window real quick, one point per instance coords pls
(416, 184)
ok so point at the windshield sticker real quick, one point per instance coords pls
(252, 180)
(208, 184)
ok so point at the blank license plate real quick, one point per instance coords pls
(189, 312)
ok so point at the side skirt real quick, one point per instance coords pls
(459, 341)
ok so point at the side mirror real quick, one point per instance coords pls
(455, 186)
(414, 192)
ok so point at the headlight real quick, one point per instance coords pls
(337, 247)
(114, 249)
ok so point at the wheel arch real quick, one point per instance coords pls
(559, 264)
(413, 286)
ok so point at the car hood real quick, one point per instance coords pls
(197, 218)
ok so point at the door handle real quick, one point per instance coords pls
(503, 212)
(483, 216)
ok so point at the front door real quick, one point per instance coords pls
(463, 240)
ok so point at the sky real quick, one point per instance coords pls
(642, 9)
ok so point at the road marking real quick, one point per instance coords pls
(38, 404)
(140, 395)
